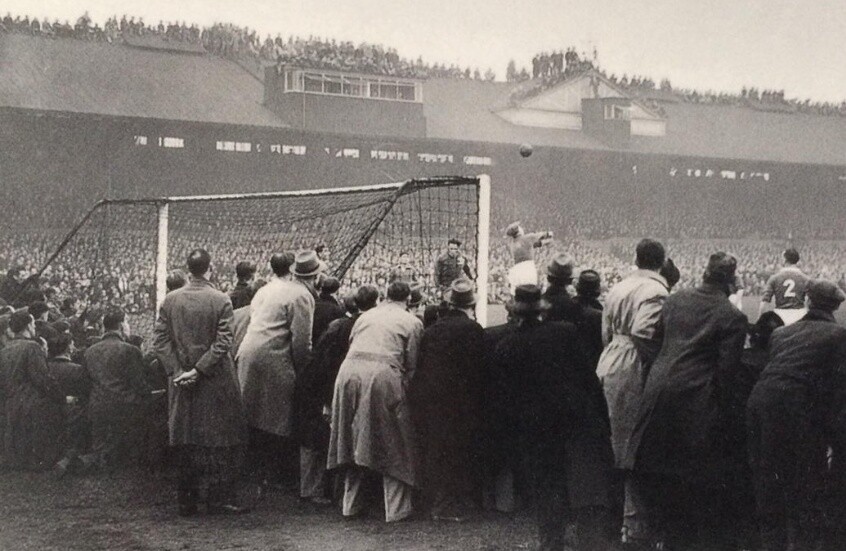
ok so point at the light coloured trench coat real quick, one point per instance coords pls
(371, 421)
(276, 347)
(632, 309)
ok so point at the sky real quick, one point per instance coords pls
(719, 45)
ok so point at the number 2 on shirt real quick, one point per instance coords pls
(790, 285)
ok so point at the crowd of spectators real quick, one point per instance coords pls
(241, 43)
(124, 276)
(549, 70)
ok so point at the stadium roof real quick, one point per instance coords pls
(466, 110)
(89, 77)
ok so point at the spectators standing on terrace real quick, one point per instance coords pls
(232, 41)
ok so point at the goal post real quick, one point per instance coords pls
(123, 249)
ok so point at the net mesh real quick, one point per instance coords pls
(111, 259)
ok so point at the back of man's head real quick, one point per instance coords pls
(281, 263)
(38, 308)
(398, 291)
(59, 344)
(113, 320)
(245, 270)
(199, 262)
(650, 255)
(329, 286)
(19, 321)
(366, 297)
(175, 280)
(791, 256)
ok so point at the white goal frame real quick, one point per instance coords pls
(482, 228)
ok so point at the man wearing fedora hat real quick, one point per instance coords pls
(521, 245)
(446, 401)
(559, 277)
(275, 350)
(588, 288)
(554, 414)
(787, 415)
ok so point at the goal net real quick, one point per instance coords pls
(121, 251)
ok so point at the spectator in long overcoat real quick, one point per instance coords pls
(559, 276)
(193, 336)
(788, 417)
(371, 426)
(631, 331)
(446, 404)
(33, 400)
(588, 288)
(275, 350)
(316, 388)
(501, 466)
(75, 384)
(553, 399)
(243, 292)
(120, 395)
(326, 308)
(680, 448)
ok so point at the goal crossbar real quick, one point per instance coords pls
(164, 212)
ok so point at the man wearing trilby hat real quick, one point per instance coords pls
(446, 400)
(522, 245)
(555, 416)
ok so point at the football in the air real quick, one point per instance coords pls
(526, 150)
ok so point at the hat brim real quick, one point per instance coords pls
(524, 308)
(321, 266)
(448, 298)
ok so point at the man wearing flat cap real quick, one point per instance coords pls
(446, 400)
(553, 414)
(800, 389)
(680, 449)
(275, 350)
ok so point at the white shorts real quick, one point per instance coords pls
(523, 273)
(790, 315)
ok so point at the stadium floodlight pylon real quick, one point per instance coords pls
(122, 249)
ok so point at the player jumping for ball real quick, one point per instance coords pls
(522, 246)
(787, 286)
